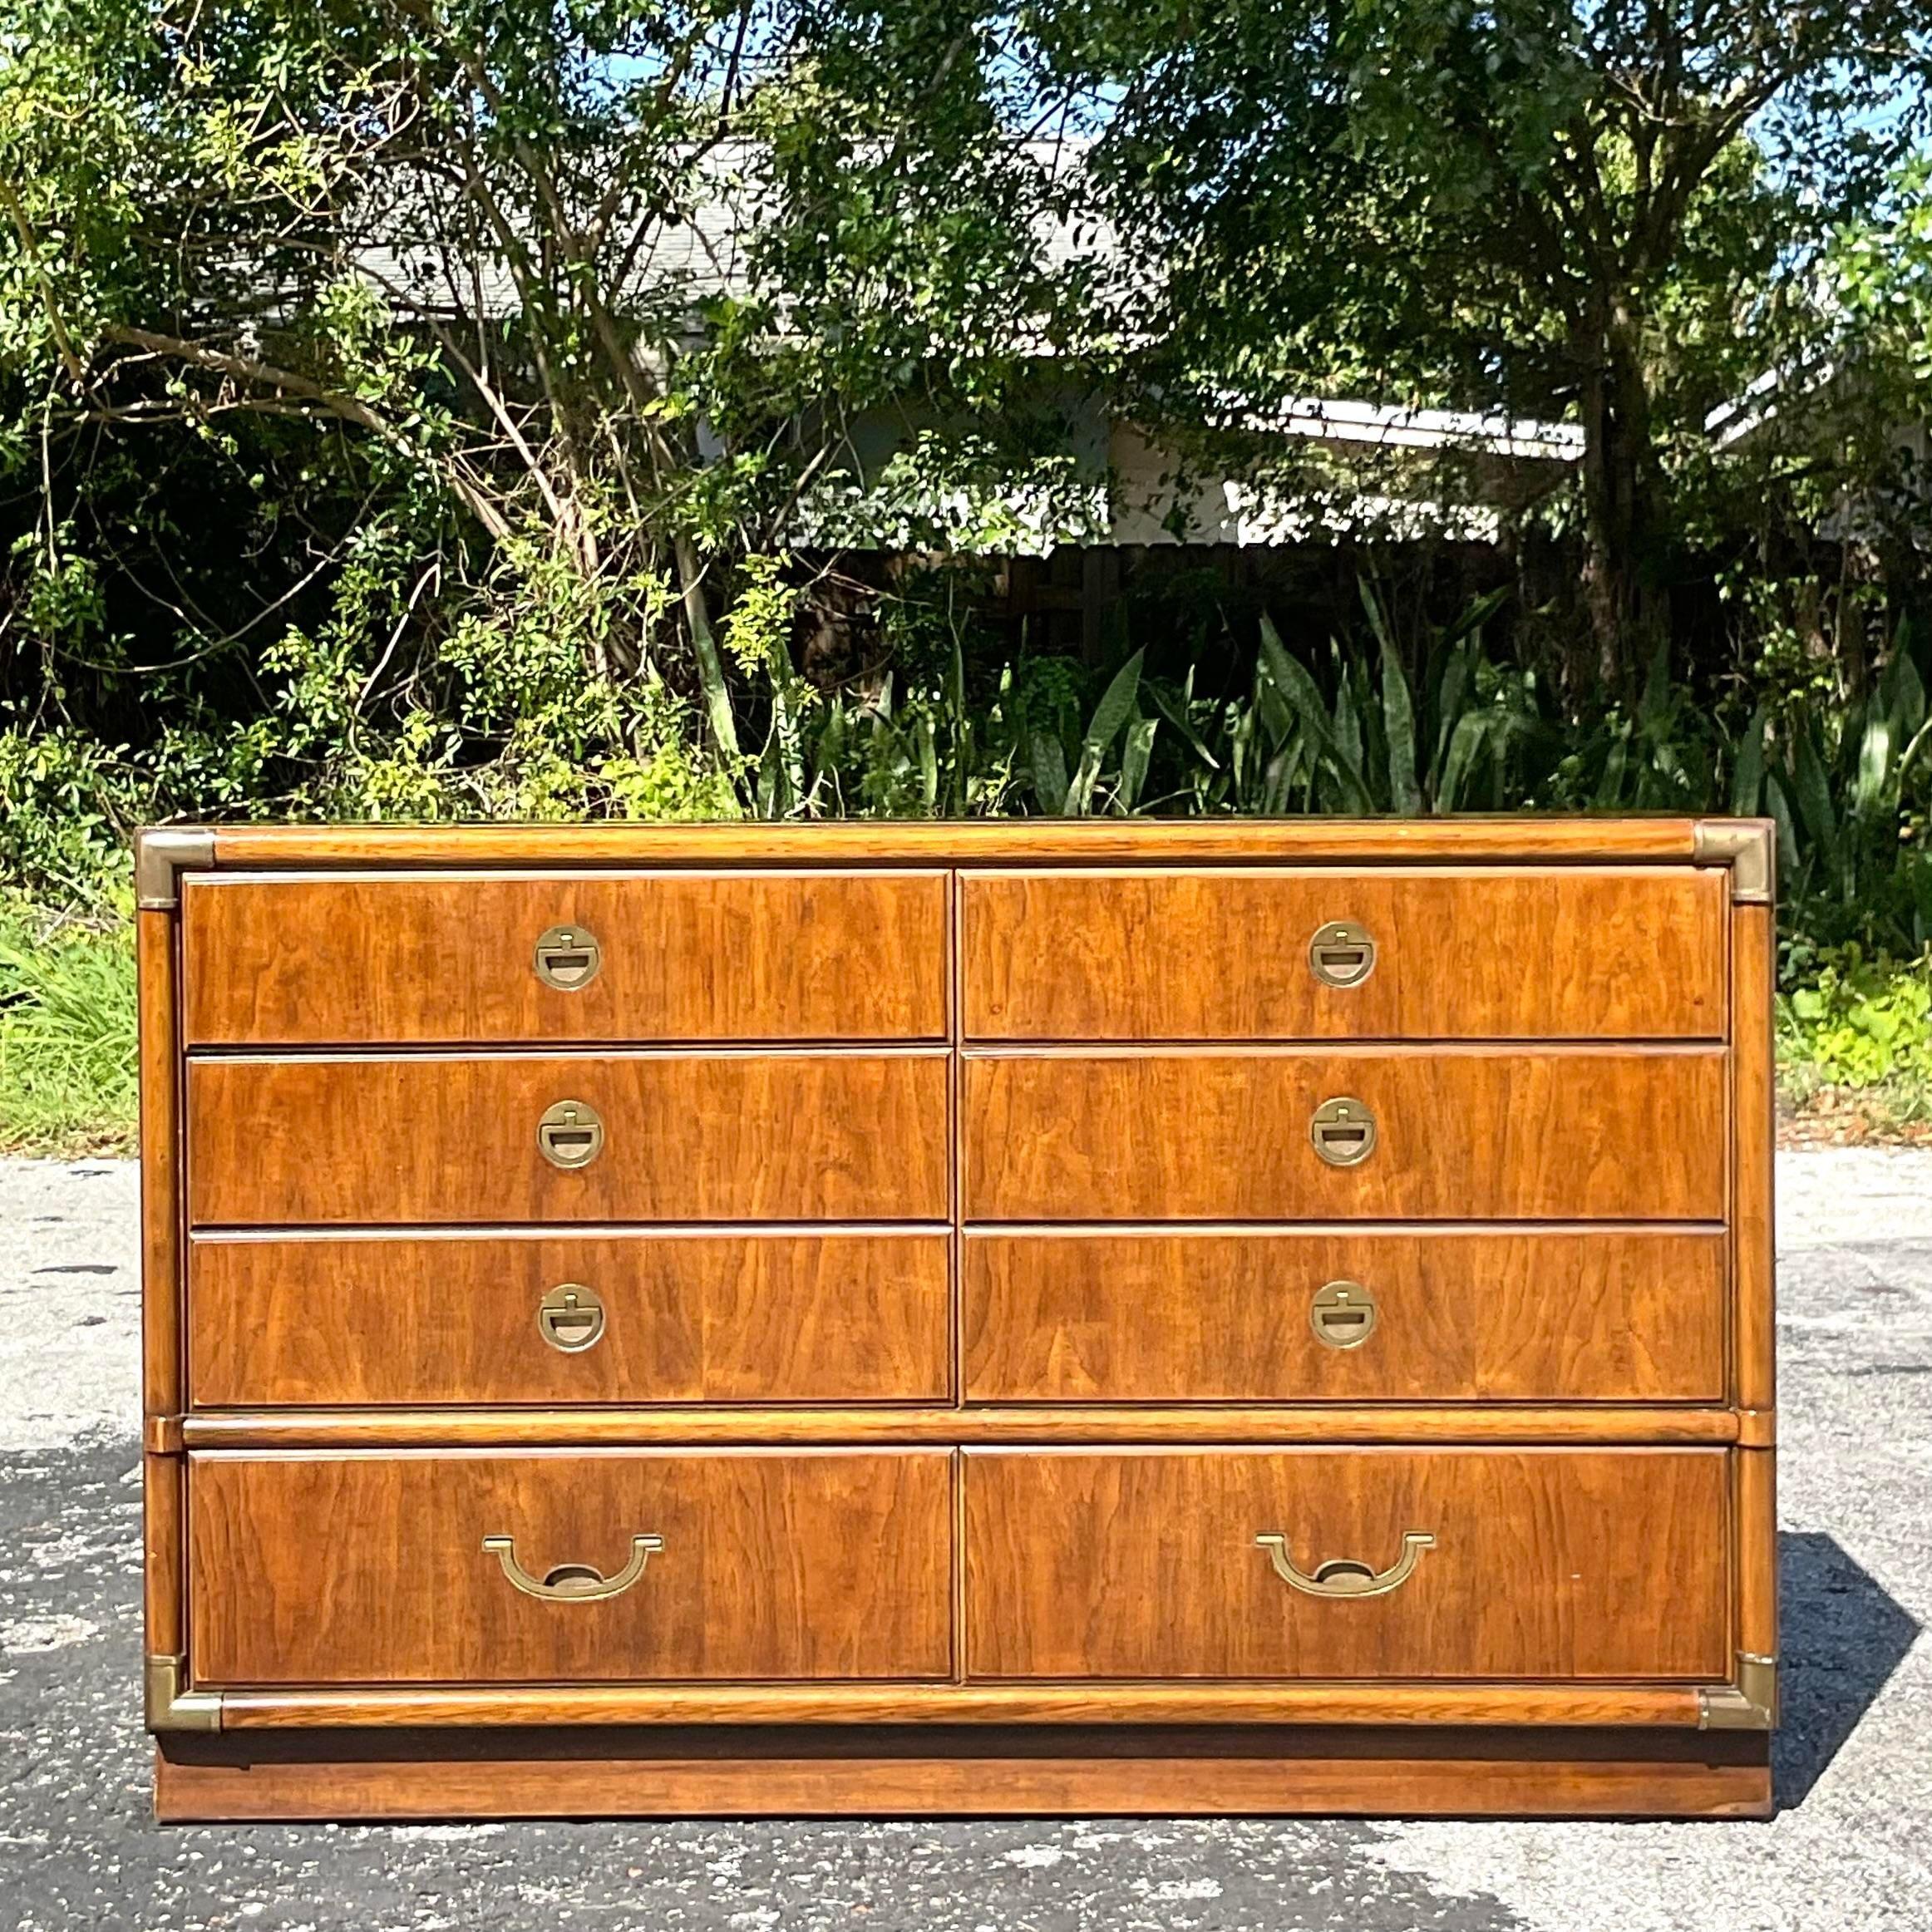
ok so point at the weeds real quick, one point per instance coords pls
(67, 1033)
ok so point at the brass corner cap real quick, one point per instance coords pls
(1749, 847)
(1749, 1704)
(160, 852)
(171, 1706)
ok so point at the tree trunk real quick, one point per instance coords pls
(1623, 597)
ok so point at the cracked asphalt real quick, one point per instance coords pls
(1852, 1847)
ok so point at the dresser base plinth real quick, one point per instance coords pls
(916, 1772)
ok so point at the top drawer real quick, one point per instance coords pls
(1448, 953)
(369, 958)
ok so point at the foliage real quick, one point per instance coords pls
(394, 401)
(68, 1032)
(1606, 213)
(1862, 1023)
(1849, 785)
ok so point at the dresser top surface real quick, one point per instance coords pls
(1568, 839)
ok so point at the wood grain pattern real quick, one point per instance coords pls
(160, 1164)
(1480, 1706)
(163, 1478)
(719, 1424)
(1757, 1518)
(688, 1317)
(1095, 1315)
(375, 959)
(1469, 1134)
(1165, 842)
(1549, 1563)
(858, 1772)
(359, 1568)
(1754, 1130)
(1504, 953)
(437, 1138)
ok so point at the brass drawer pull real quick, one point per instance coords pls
(572, 1582)
(570, 1318)
(1341, 954)
(1342, 1314)
(570, 1134)
(1343, 1578)
(1343, 1131)
(567, 957)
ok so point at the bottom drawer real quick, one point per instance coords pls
(1365, 1563)
(576, 1566)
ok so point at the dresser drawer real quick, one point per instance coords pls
(674, 1317)
(1377, 1315)
(1474, 1134)
(441, 1139)
(1547, 1564)
(1496, 953)
(424, 958)
(374, 1569)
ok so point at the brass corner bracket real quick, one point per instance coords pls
(1750, 1704)
(161, 853)
(171, 1707)
(1749, 847)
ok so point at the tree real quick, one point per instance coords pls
(1590, 207)
(528, 327)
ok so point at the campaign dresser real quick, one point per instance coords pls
(1000, 1317)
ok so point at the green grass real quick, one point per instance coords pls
(67, 1033)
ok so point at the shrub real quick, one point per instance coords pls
(1864, 1023)
(68, 1032)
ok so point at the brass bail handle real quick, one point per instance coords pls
(1341, 954)
(570, 1134)
(1343, 1577)
(572, 1582)
(1342, 1131)
(567, 956)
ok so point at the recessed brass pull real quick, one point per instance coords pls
(1342, 1314)
(1343, 1131)
(570, 1134)
(1343, 1578)
(570, 1318)
(572, 1582)
(1341, 954)
(567, 957)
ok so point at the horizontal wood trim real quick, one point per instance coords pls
(1575, 840)
(800, 1316)
(452, 1138)
(367, 1570)
(971, 1703)
(1469, 1133)
(382, 957)
(1500, 953)
(1094, 1315)
(881, 1772)
(1189, 1422)
(1539, 1563)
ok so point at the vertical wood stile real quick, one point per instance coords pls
(955, 1143)
(161, 1165)
(162, 1479)
(1757, 1503)
(1754, 1130)
(1754, 966)
(161, 1245)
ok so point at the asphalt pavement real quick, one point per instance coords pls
(1851, 1848)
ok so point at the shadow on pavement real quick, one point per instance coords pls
(1841, 1638)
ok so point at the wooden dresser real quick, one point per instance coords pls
(1007, 1317)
